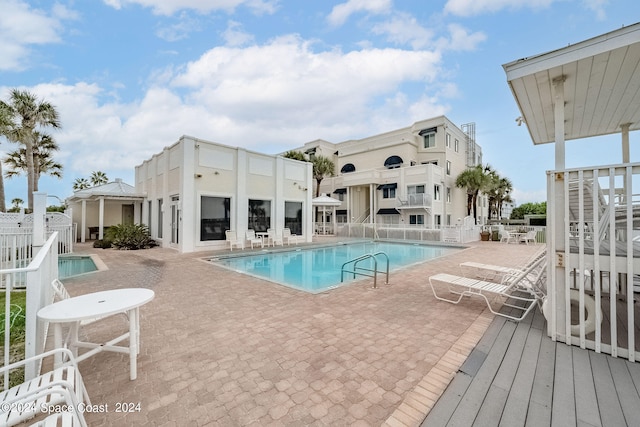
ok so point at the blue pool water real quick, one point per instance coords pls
(318, 269)
(74, 265)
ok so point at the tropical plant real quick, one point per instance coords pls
(5, 130)
(529, 209)
(498, 190)
(98, 178)
(80, 184)
(130, 236)
(296, 155)
(322, 166)
(27, 113)
(475, 180)
(16, 204)
(42, 159)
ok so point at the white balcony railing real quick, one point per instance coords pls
(420, 200)
(594, 258)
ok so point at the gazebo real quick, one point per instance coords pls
(96, 208)
(323, 201)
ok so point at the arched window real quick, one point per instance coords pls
(393, 162)
(349, 167)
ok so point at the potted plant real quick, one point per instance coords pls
(484, 234)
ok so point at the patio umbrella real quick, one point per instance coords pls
(325, 201)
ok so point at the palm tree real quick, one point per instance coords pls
(98, 178)
(474, 180)
(5, 130)
(28, 113)
(16, 203)
(322, 166)
(295, 155)
(81, 184)
(43, 163)
(505, 187)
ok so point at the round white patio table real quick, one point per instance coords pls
(99, 305)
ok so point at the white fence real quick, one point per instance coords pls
(402, 232)
(37, 276)
(594, 254)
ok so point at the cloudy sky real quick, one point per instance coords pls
(129, 77)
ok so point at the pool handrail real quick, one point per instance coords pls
(358, 270)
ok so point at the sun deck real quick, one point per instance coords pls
(222, 348)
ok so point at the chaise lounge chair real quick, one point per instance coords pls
(47, 390)
(515, 289)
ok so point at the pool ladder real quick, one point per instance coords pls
(366, 271)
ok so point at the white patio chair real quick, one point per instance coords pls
(274, 238)
(288, 237)
(250, 235)
(529, 237)
(232, 239)
(506, 236)
(515, 290)
(46, 390)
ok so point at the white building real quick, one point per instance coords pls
(406, 176)
(196, 190)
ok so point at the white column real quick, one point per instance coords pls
(39, 218)
(241, 198)
(559, 228)
(189, 213)
(625, 142)
(83, 222)
(101, 220)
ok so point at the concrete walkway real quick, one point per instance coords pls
(221, 348)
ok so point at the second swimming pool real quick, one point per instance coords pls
(319, 269)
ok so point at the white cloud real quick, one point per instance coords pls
(341, 12)
(22, 26)
(460, 39)
(234, 35)
(477, 7)
(179, 30)
(169, 7)
(402, 29)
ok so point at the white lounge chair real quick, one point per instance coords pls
(250, 236)
(232, 239)
(506, 236)
(529, 237)
(46, 390)
(495, 273)
(274, 238)
(515, 290)
(288, 237)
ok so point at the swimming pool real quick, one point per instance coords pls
(319, 269)
(73, 265)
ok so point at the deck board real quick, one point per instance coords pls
(518, 376)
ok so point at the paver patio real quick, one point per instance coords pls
(221, 348)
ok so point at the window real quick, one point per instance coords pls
(430, 162)
(456, 145)
(260, 215)
(389, 193)
(215, 214)
(448, 194)
(429, 140)
(437, 221)
(293, 217)
(416, 219)
(448, 219)
(436, 192)
(448, 140)
(159, 218)
(448, 167)
(415, 189)
(149, 206)
(340, 196)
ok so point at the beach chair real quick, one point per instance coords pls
(232, 239)
(274, 238)
(515, 290)
(251, 237)
(495, 273)
(288, 237)
(506, 236)
(57, 387)
(529, 237)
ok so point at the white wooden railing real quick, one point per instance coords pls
(594, 257)
(37, 276)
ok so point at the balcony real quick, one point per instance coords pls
(415, 201)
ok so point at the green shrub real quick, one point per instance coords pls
(102, 244)
(130, 236)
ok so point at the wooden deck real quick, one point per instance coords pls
(517, 376)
